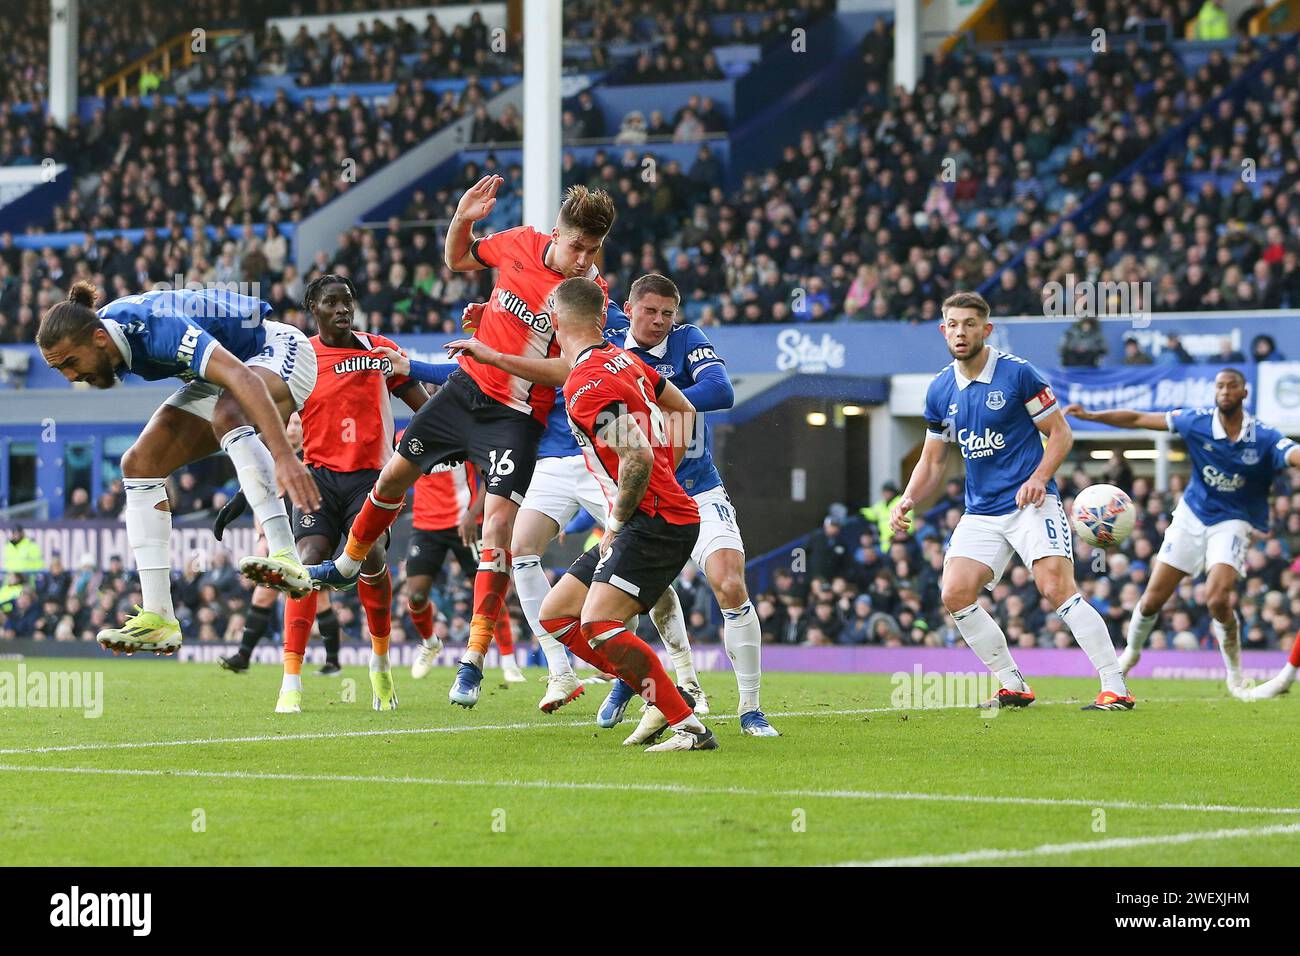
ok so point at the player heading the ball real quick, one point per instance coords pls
(243, 376)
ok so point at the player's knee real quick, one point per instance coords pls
(496, 531)
(731, 591)
(958, 594)
(226, 417)
(311, 553)
(1219, 605)
(375, 560)
(136, 464)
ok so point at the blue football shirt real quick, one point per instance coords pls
(993, 419)
(1230, 480)
(680, 357)
(171, 334)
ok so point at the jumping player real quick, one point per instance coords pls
(243, 375)
(347, 437)
(617, 404)
(561, 486)
(484, 415)
(993, 405)
(1234, 459)
(447, 514)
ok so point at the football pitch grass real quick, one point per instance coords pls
(188, 765)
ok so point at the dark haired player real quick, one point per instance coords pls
(1234, 458)
(483, 414)
(262, 605)
(616, 403)
(347, 437)
(243, 375)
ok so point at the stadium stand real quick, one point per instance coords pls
(864, 587)
(1120, 166)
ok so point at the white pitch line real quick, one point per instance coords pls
(401, 731)
(657, 788)
(1086, 846)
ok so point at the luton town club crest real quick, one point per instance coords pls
(995, 400)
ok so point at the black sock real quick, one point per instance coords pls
(329, 633)
(255, 625)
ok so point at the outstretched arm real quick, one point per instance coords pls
(1121, 418)
(543, 371)
(473, 206)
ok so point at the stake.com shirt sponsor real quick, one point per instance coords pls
(993, 419)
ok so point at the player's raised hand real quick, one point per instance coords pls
(401, 364)
(479, 199)
(1078, 411)
(479, 351)
(1031, 493)
(898, 516)
(469, 319)
(293, 479)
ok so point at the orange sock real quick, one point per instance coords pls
(489, 597)
(376, 595)
(422, 619)
(373, 520)
(504, 634)
(299, 616)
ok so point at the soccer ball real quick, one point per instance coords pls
(1103, 516)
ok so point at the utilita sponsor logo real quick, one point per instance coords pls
(74, 909)
(798, 350)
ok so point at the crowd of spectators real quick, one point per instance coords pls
(698, 118)
(211, 599)
(605, 22)
(853, 584)
(1056, 21)
(877, 215)
(158, 163)
(111, 35)
(379, 53)
(857, 584)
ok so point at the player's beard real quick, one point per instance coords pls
(104, 375)
(976, 349)
(1231, 410)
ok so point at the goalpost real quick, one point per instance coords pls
(543, 42)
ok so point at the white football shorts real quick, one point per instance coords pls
(718, 527)
(1032, 533)
(1192, 546)
(287, 353)
(561, 486)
